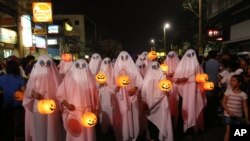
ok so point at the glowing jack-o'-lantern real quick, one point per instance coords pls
(208, 86)
(165, 85)
(123, 80)
(152, 55)
(46, 106)
(67, 57)
(19, 96)
(101, 78)
(88, 119)
(201, 78)
(164, 68)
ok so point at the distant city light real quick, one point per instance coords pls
(68, 27)
(86, 56)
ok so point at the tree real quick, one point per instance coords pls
(110, 48)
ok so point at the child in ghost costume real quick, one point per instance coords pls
(127, 123)
(42, 84)
(77, 94)
(172, 61)
(157, 102)
(193, 100)
(95, 63)
(106, 94)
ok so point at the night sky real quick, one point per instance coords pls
(132, 22)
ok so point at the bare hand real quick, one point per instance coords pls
(117, 88)
(37, 95)
(132, 91)
(71, 107)
(166, 93)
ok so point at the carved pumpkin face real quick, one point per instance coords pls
(208, 86)
(67, 57)
(19, 95)
(123, 81)
(101, 78)
(201, 78)
(46, 106)
(165, 85)
(89, 119)
(164, 68)
(152, 55)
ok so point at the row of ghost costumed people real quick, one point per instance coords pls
(77, 90)
(182, 74)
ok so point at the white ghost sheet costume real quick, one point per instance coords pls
(157, 101)
(144, 57)
(106, 94)
(172, 61)
(128, 105)
(44, 79)
(193, 100)
(141, 67)
(64, 67)
(78, 88)
(95, 63)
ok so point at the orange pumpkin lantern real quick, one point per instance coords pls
(164, 68)
(46, 106)
(101, 78)
(165, 85)
(152, 55)
(123, 80)
(208, 86)
(201, 78)
(88, 119)
(67, 57)
(19, 96)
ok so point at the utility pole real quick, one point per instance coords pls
(200, 28)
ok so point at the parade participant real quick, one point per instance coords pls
(95, 63)
(141, 67)
(172, 61)
(128, 123)
(106, 94)
(157, 102)
(77, 95)
(193, 100)
(42, 84)
(64, 67)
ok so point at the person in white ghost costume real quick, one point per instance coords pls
(172, 61)
(95, 63)
(193, 99)
(42, 84)
(77, 94)
(144, 57)
(106, 94)
(141, 67)
(127, 99)
(157, 102)
(64, 67)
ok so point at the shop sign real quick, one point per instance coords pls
(42, 12)
(8, 36)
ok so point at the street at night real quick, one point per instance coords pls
(115, 70)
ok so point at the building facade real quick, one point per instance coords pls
(232, 19)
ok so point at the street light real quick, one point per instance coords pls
(166, 26)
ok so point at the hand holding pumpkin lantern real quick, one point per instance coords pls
(101, 78)
(123, 81)
(67, 57)
(88, 119)
(164, 68)
(208, 86)
(165, 85)
(36, 95)
(152, 55)
(46, 106)
(201, 78)
(19, 95)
